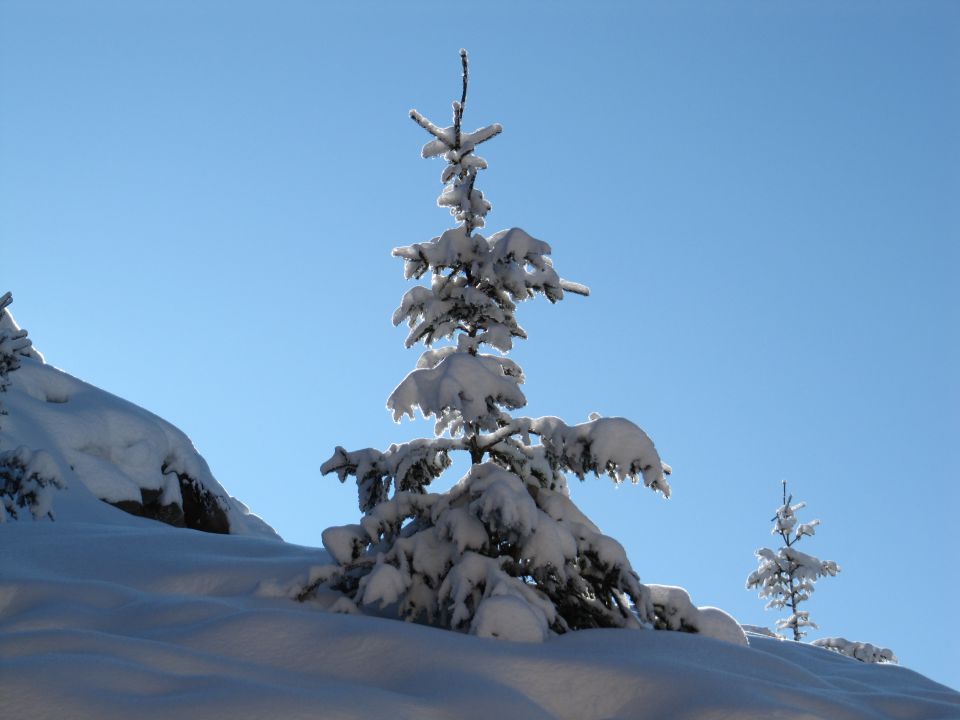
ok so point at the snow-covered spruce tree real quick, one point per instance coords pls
(505, 552)
(787, 576)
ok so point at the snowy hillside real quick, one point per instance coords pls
(108, 615)
(139, 619)
(104, 448)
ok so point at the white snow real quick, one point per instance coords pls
(344, 542)
(469, 387)
(501, 500)
(507, 616)
(383, 586)
(681, 614)
(862, 651)
(614, 446)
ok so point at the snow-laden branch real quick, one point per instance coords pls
(473, 387)
(612, 446)
(408, 467)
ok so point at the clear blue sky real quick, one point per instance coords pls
(198, 202)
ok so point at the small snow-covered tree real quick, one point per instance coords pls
(505, 552)
(787, 576)
(13, 344)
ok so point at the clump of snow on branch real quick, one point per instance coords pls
(862, 651)
(614, 446)
(462, 389)
(787, 576)
(505, 552)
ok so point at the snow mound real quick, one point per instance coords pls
(508, 617)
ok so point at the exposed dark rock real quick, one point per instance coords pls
(151, 507)
(201, 509)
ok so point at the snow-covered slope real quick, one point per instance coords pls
(107, 615)
(106, 448)
(138, 619)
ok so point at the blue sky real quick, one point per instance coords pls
(198, 202)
